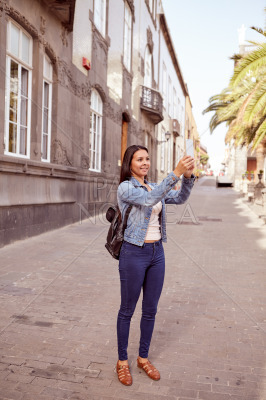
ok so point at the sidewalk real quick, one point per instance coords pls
(256, 209)
(60, 296)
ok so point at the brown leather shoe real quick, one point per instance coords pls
(150, 370)
(124, 374)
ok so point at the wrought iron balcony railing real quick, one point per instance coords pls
(152, 103)
(176, 128)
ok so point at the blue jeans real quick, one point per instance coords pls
(139, 267)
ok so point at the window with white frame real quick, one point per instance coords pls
(174, 104)
(127, 37)
(164, 85)
(169, 95)
(18, 89)
(96, 115)
(162, 150)
(46, 108)
(148, 68)
(100, 15)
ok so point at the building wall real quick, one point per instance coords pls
(173, 149)
(145, 37)
(38, 195)
(191, 132)
(196, 144)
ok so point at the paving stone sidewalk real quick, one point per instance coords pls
(59, 297)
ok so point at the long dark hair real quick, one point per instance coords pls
(125, 173)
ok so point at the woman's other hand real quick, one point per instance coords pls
(185, 167)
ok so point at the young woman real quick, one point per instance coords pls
(141, 261)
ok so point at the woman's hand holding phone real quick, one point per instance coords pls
(185, 167)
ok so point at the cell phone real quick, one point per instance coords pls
(189, 148)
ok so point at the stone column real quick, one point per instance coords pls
(240, 165)
(260, 155)
(251, 191)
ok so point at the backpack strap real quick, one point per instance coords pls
(126, 216)
(127, 213)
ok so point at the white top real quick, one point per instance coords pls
(153, 231)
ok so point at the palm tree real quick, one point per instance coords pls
(242, 105)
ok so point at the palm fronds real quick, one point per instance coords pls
(259, 30)
(242, 105)
(249, 64)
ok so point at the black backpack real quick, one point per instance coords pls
(115, 234)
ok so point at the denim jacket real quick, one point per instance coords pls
(132, 192)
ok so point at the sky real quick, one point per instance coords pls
(205, 35)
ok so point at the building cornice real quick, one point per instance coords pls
(64, 11)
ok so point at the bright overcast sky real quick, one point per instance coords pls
(205, 35)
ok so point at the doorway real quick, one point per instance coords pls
(125, 122)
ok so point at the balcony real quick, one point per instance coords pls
(64, 10)
(151, 103)
(176, 127)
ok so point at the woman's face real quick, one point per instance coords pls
(140, 163)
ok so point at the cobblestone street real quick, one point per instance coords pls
(60, 295)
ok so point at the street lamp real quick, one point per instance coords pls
(167, 136)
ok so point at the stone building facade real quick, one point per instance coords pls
(171, 131)
(80, 82)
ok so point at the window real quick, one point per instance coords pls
(95, 131)
(127, 37)
(164, 85)
(162, 149)
(174, 104)
(152, 7)
(18, 89)
(46, 109)
(148, 68)
(169, 95)
(100, 15)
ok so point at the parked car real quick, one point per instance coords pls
(224, 179)
(209, 172)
